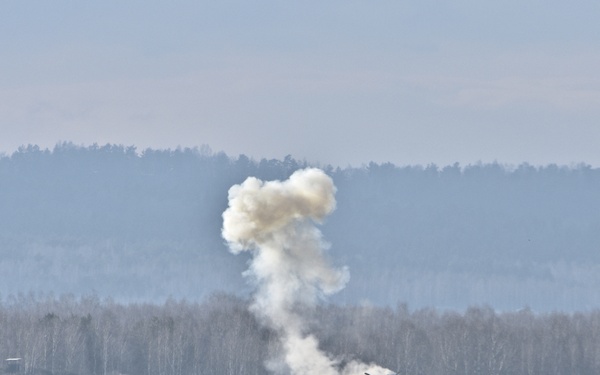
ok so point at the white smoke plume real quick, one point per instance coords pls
(276, 222)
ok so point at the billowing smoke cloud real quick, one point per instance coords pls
(275, 221)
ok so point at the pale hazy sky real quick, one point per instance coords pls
(341, 82)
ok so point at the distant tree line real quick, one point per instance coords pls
(219, 336)
(145, 224)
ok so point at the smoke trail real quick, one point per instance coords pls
(275, 221)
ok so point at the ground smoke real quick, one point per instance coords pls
(275, 221)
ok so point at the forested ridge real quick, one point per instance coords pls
(218, 336)
(142, 225)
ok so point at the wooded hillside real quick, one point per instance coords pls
(142, 225)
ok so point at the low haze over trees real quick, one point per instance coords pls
(140, 225)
